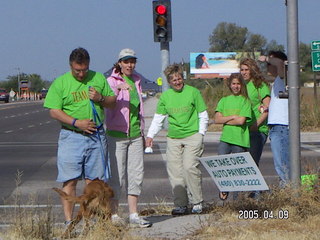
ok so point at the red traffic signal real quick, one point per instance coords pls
(162, 20)
(161, 9)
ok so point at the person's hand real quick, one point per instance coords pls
(149, 142)
(263, 59)
(124, 86)
(86, 125)
(94, 95)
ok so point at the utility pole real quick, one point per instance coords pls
(294, 91)
(18, 69)
(165, 61)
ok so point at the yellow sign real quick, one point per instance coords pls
(159, 81)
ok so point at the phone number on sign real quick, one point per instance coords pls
(247, 182)
(266, 214)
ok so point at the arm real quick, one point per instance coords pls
(86, 125)
(105, 101)
(277, 62)
(203, 122)
(229, 120)
(264, 115)
(154, 128)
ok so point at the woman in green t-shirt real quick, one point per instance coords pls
(259, 95)
(125, 125)
(188, 120)
(234, 111)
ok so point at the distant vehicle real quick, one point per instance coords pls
(43, 93)
(151, 93)
(4, 95)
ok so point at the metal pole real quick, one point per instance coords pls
(294, 88)
(18, 69)
(165, 60)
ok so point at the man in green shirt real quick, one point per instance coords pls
(77, 100)
(188, 120)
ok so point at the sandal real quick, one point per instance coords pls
(223, 195)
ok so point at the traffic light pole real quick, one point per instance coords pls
(165, 61)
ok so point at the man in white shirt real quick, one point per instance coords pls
(278, 116)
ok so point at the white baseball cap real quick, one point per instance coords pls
(126, 54)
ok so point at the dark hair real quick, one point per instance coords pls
(278, 54)
(199, 60)
(243, 84)
(79, 55)
(117, 68)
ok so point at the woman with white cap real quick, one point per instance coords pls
(125, 125)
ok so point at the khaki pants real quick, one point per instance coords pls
(183, 169)
(126, 163)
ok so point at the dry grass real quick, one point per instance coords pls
(302, 221)
(302, 206)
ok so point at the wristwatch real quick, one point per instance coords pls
(101, 99)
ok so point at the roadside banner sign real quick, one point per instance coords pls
(315, 45)
(234, 172)
(315, 55)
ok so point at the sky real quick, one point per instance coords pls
(37, 36)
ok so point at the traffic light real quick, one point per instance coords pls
(162, 20)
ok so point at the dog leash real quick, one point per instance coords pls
(105, 163)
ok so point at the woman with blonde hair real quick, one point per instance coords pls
(259, 95)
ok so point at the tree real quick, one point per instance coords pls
(305, 57)
(37, 83)
(228, 37)
(255, 42)
(273, 46)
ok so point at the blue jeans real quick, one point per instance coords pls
(227, 148)
(279, 141)
(81, 156)
(257, 141)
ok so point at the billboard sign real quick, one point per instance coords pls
(216, 64)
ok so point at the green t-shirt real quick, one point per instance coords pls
(71, 96)
(234, 134)
(256, 95)
(134, 129)
(182, 109)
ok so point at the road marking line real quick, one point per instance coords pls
(311, 147)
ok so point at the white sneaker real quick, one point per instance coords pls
(197, 208)
(117, 221)
(136, 221)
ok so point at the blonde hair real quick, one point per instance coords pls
(173, 69)
(255, 73)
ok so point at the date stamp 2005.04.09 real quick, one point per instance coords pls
(265, 214)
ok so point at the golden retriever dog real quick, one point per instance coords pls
(95, 200)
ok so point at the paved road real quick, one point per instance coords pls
(28, 142)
